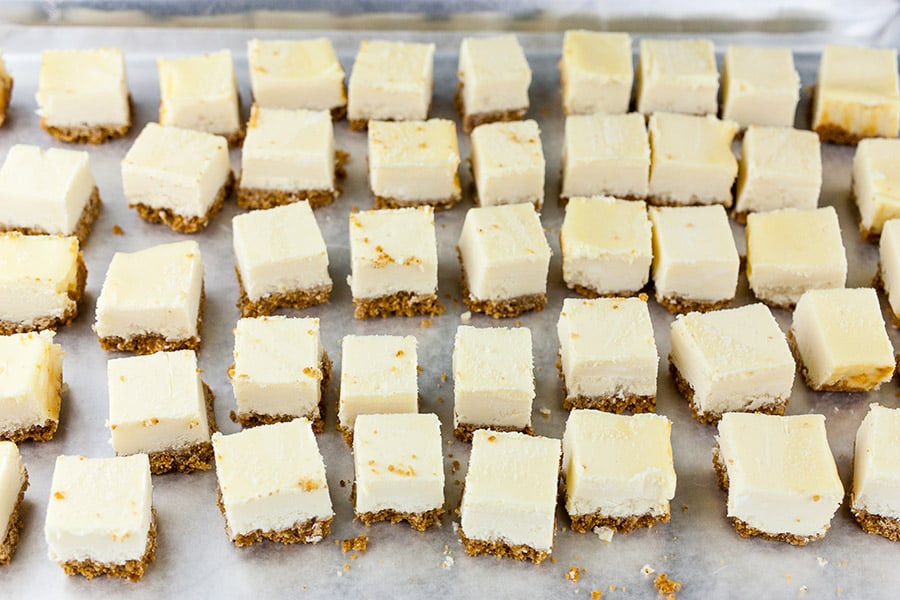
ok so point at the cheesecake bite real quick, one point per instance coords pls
(760, 86)
(379, 375)
(399, 469)
(695, 259)
(607, 246)
(607, 354)
(780, 167)
(48, 192)
(875, 496)
(505, 259)
(780, 476)
(390, 81)
(6, 86)
(735, 360)
(83, 96)
(297, 74)
(856, 94)
(280, 259)
(272, 484)
(159, 406)
(31, 380)
(414, 163)
(888, 277)
(875, 183)
(677, 76)
(605, 154)
(508, 506)
(200, 92)
(618, 470)
(152, 300)
(176, 176)
(100, 516)
(13, 483)
(280, 371)
(393, 263)
(596, 72)
(840, 341)
(493, 380)
(493, 81)
(791, 251)
(289, 156)
(691, 160)
(508, 164)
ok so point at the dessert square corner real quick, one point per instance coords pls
(31, 383)
(508, 164)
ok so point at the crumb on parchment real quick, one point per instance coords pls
(357, 544)
(664, 585)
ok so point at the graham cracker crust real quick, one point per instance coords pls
(402, 304)
(339, 112)
(681, 306)
(11, 539)
(6, 87)
(740, 216)
(94, 134)
(260, 198)
(254, 419)
(510, 307)
(181, 223)
(37, 433)
(694, 201)
(501, 549)
(89, 214)
(298, 299)
(311, 531)
(471, 121)
(363, 124)
(878, 283)
(835, 134)
(50, 322)
(198, 457)
(131, 569)
(585, 523)
(887, 527)
(154, 342)
(589, 292)
(436, 203)
(633, 403)
(564, 200)
(845, 385)
(709, 418)
(464, 431)
(418, 521)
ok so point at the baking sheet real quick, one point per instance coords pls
(698, 547)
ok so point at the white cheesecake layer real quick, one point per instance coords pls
(391, 81)
(876, 477)
(199, 92)
(508, 163)
(760, 86)
(678, 76)
(12, 478)
(296, 74)
(596, 72)
(30, 381)
(889, 263)
(494, 74)
(876, 182)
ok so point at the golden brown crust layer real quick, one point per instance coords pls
(181, 223)
(363, 124)
(259, 198)
(311, 531)
(198, 457)
(6, 88)
(39, 433)
(11, 539)
(402, 304)
(471, 121)
(436, 203)
(695, 201)
(82, 228)
(501, 549)
(835, 134)
(95, 134)
(418, 521)
(589, 292)
(10, 327)
(614, 404)
(510, 307)
(585, 523)
(464, 431)
(681, 306)
(864, 382)
(888, 527)
(131, 569)
(298, 299)
(154, 342)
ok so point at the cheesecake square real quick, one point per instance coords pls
(280, 259)
(875, 495)
(176, 176)
(393, 263)
(790, 251)
(48, 191)
(280, 371)
(152, 300)
(734, 360)
(493, 380)
(596, 72)
(13, 483)
(159, 406)
(760, 86)
(780, 475)
(505, 260)
(695, 259)
(379, 375)
(618, 470)
(83, 96)
(840, 340)
(41, 282)
(677, 76)
(414, 163)
(607, 246)
(875, 180)
(856, 94)
(508, 506)
(297, 74)
(508, 164)
(272, 484)
(288, 156)
(6, 86)
(691, 160)
(30, 386)
(779, 168)
(605, 154)
(399, 469)
(390, 81)
(100, 516)
(607, 354)
(200, 93)
(888, 277)
(493, 81)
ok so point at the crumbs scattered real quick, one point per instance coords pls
(545, 412)
(684, 508)
(443, 376)
(117, 230)
(648, 570)
(343, 483)
(803, 589)
(596, 595)
(822, 561)
(664, 585)
(447, 563)
(454, 467)
(358, 544)
(425, 323)
(574, 573)
(466, 316)
(604, 533)
(354, 209)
